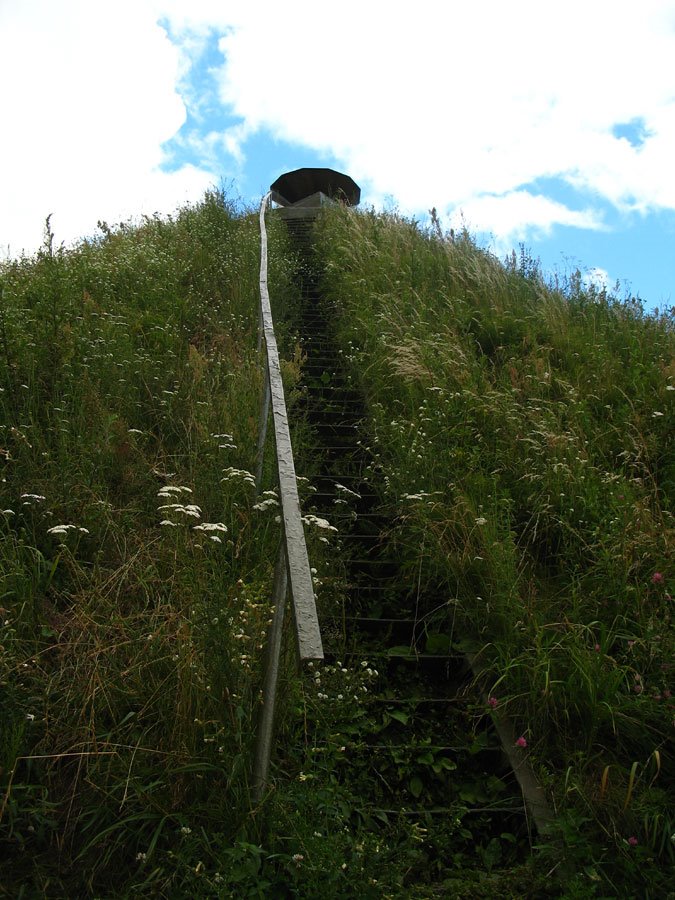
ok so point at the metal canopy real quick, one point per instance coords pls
(295, 186)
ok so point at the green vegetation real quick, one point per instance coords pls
(135, 573)
(524, 435)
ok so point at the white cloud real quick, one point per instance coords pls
(598, 277)
(462, 105)
(520, 214)
(456, 105)
(92, 99)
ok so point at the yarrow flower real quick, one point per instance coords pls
(318, 522)
(64, 529)
(265, 504)
(231, 472)
(521, 742)
(169, 489)
(190, 509)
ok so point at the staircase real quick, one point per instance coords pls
(432, 752)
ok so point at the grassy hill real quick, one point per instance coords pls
(524, 433)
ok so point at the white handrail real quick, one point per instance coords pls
(292, 566)
(299, 574)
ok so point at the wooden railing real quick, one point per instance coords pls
(292, 567)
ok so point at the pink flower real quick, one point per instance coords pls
(521, 742)
(493, 702)
(597, 648)
(657, 578)
(633, 841)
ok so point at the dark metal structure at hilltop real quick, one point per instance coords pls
(303, 192)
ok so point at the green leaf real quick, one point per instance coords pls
(398, 715)
(438, 643)
(401, 650)
(416, 787)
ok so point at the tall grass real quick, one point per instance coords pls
(135, 571)
(524, 431)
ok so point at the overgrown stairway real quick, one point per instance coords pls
(427, 752)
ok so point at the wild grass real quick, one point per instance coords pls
(135, 571)
(525, 434)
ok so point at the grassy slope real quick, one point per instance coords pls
(129, 650)
(129, 655)
(526, 435)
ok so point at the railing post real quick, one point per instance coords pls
(263, 748)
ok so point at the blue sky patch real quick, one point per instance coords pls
(635, 132)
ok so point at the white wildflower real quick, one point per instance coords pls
(481, 520)
(189, 509)
(169, 489)
(318, 522)
(346, 490)
(265, 504)
(231, 472)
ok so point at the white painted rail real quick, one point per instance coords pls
(292, 568)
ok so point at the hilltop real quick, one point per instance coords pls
(523, 435)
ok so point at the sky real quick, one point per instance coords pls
(550, 125)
